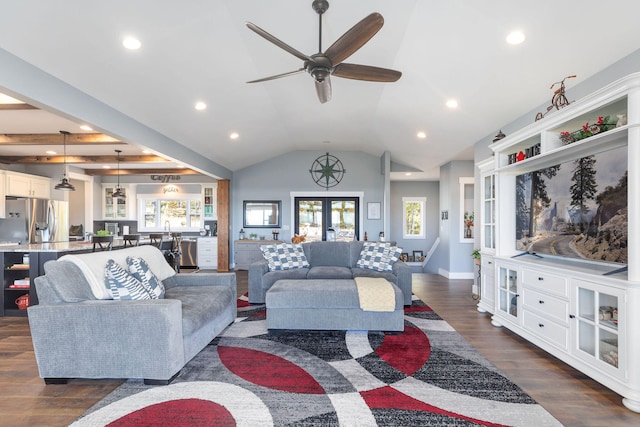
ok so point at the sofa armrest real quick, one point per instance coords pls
(108, 339)
(403, 272)
(257, 269)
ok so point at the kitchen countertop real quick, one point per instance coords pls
(77, 246)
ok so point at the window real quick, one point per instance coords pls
(171, 214)
(314, 215)
(414, 217)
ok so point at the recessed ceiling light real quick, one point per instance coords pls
(146, 152)
(234, 135)
(421, 135)
(201, 106)
(407, 174)
(131, 43)
(452, 103)
(106, 167)
(51, 152)
(179, 165)
(6, 99)
(515, 37)
(85, 127)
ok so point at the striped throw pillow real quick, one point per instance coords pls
(122, 285)
(139, 269)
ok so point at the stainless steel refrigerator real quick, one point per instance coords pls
(35, 221)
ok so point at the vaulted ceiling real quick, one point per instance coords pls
(201, 50)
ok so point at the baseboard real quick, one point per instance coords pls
(456, 276)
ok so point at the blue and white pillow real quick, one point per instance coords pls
(394, 255)
(122, 285)
(284, 256)
(139, 269)
(379, 256)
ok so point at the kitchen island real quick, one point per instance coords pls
(22, 263)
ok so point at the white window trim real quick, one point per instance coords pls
(170, 196)
(423, 217)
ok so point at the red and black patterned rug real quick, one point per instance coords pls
(428, 375)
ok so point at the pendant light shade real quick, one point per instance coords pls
(64, 183)
(119, 193)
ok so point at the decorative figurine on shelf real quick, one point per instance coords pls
(498, 137)
(468, 223)
(365, 236)
(241, 234)
(558, 100)
(381, 236)
(275, 234)
(297, 238)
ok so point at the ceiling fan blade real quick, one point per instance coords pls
(355, 38)
(323, 90)
(277, 76)
(366, 72)
(277, 42)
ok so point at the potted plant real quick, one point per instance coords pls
(476, 256)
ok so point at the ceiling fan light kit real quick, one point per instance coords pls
(64, 183)
(321, 66)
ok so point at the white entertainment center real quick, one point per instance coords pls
(584, 312)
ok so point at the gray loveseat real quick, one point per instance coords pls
(78, 332)
(328, 260)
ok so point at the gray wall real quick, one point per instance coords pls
(457, 262)
(430, 190)
(276, 178)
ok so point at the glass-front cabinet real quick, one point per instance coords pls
(209, 201)
(114, 208)
(508, 291)
(489, 212)
(599, 316)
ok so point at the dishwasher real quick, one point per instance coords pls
(188, 253)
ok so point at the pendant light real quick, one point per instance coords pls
(119, 193)
(64, 183)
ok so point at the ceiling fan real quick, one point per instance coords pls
(323, 65)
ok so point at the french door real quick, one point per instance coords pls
(314, 215)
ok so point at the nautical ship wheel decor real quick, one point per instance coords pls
(327, 171)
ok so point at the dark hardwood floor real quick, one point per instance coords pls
(570, 396)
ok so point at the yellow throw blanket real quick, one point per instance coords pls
(376, 294)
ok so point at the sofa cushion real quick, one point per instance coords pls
(122, 285)
(323, 253)
(141, 271)
(75, 289)
(272, 277)
(363, 272)
(284, 256)
(329, 272)
(198, 305)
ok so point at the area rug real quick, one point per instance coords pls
(426, 376)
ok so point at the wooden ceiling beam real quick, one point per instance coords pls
(7, 107)
(79, 160)
(124, 172)
(57, 139)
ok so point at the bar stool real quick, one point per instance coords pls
(131, 240)
(103, 243)
(156, 239)
(176, 239)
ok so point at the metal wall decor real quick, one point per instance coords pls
(558, 100)
(327, 171)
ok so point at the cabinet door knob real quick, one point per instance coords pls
(571, 316)
(541, 301)
(489, 262)
(540, 278)
(540, 325)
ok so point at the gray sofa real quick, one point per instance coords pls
(328, 260)
(78, 332)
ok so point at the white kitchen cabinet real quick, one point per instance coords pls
(118, 208)
(209, 201)
(207, 253)
(24, 185)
